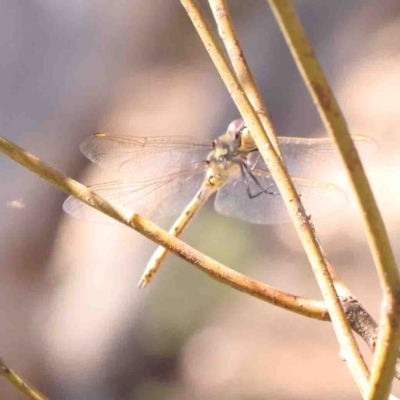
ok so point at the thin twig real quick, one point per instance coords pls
(300, 305)
(348, 345)
(241, 68)
(389, 334)
(20, 383)
(307, 307)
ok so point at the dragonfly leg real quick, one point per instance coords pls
(253, 167)
(245, 168)
(274, 193)
(246, 182)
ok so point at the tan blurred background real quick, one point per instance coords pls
(71, 318)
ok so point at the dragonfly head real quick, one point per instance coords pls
(234, 132)
(227, 145)
(240, 136)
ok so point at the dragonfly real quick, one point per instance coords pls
(176, 175)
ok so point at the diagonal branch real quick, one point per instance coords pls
(241, 68)
(348, 345)
(389, 334)
(360, 321)
(306, 307)
(19, 383)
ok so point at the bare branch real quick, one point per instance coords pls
(300, 305)
(19, 383)
(348, 345)
(363, 325)
(334, 121)
(241, 68)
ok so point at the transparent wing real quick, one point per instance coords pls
(155, 198)
(316, 157)
(319, 198)
(144, 157)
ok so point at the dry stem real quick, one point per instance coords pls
(389, 334)
(19, 383)
(365, 326)
(307, 307)
(241, 68)
(348, 345)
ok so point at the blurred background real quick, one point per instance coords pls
(72, 320)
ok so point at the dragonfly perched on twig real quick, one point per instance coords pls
(170, 175)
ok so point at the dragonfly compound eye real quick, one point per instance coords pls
(235, 127)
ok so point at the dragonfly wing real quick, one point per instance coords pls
(144, 156)
(316, 157)
(319, 198)
(155, 198)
